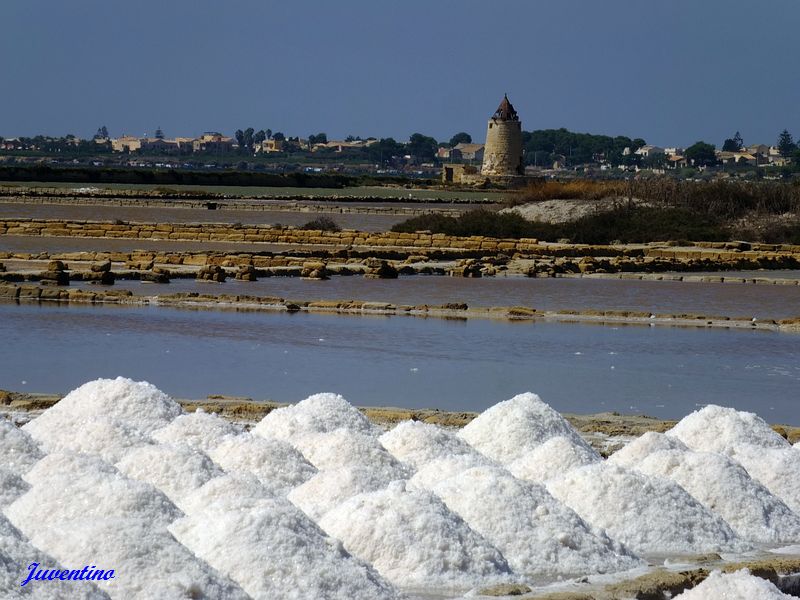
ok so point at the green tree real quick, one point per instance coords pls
(278, 136)
(460, 138)
(102, 133)
(269, 134)
(734, 144)
(786, 145)
(259, 137)
(422, 147)
(159, 133)
(701, 154)
(320, 138)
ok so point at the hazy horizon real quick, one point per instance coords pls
(671, 74)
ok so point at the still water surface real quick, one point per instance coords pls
(402, 361)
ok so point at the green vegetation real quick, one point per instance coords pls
(322, 224)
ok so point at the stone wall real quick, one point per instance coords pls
(503, 151)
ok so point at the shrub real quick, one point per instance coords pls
(322, 224)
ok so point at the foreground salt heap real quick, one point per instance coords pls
(417, 444)
(553, 458)
(750, 441)
(536, 533)
(740, 585)
(508, 430)
(18, 451)
(650, 515)
(412, 539)
(270, 547)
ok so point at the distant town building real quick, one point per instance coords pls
(213, 142)
(649, 150)
(126, 143)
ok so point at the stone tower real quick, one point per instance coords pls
(502, 155)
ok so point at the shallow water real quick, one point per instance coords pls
(402, 361)
(674, 297)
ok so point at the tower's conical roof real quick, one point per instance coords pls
(505, 112)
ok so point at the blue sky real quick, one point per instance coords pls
(670, 72)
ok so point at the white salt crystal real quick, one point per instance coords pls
(199, 429)
(777, 469)
(18, 451)
(319, 413)
(636, 451)
(509, 429)
(444, 468)
(175, 469)
(650, 515)
(536, 533)
(724, 487)
(12, 486)
(553, 458)
(229, 492)
(412, 539)
(276, 463)
(416, 443)
(740, 585)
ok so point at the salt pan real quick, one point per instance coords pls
(740, 585)
(412, 539)
(536, 533)
(509, 429)
(649, 515)
(553, 458)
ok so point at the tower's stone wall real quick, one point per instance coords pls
(502, 156)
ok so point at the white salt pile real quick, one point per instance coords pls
(776, 468)
(328, 489)
(149, 561)
(273, 550)
(319, 413)
(719, 429)
(649, 515)
(139, 405)
(553, 458)
(509, 429)
(73, 487)
(232, 491)
(344, 448)
(276, 463)
(199, 429)
(16, 554)
(438, 470)
(175, 469)
(724, 487)
(636, 451)
(12, 486)
(740, 585)
(412, 539)
(535, 532)
(18, 451)
(416, 443)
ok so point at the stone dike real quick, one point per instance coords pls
(10, 292)
(550, 259)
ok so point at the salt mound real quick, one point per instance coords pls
(719, 429)
(444, 468)
(275, 463)
(775, 468)
(98, 435)
(535, 532)
(137, 404)
(412, 539)
(740, 585)
(417, 443)
(643, 446)
(274, 551)
(199, 429)
(17, 553)
(724, 487)
(649, 515)
(12, 486)
(148, 561)
(512, 428)
(553, 458)
(328, 489)
(83, 492)
(229, 492)
(18, 451)
(343, 448)
(320, 413)
(175, 469)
